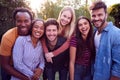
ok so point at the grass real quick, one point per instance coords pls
(56, 77)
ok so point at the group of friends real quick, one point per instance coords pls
(74, 49)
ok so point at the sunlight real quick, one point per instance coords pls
(36, 4)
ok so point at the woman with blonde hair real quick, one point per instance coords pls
(66, 20)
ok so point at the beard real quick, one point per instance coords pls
(103, 21)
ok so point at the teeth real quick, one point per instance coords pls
(24, 29)
(37, 34)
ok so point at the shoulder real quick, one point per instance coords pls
(22, 38)
(73, 41)
(11, 34)
(73, 38)
(60, 38)
(114, 32)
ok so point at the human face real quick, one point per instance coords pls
(98, 17)
(65, 18)
(84, 27)
(23, 22)
(38, 29)
(51, 33)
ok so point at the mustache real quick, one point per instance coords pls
(92, 21)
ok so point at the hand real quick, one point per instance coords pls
(49, 56)
(34, 78)
(114, 78)
(37, 73)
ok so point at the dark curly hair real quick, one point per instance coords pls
(21, 9)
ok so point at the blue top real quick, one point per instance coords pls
(26, 58)
(107, 62)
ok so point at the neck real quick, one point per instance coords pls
(52, 44)
(34, 41)
(84, 37)
(102, 27)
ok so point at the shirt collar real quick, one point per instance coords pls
(29, 38)
(107, 28)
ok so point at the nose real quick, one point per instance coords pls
(23, 24)
(83, 26)
(38, 29)
(96, 18)
(51, 32)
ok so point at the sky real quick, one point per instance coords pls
(36, 4)
(111, 2)
(108, 2)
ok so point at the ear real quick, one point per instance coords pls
(106, 16)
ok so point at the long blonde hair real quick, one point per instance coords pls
(71, 27)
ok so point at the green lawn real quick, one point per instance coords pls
(56, 77)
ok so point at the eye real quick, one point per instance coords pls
(64, 15)
(79, 25)
(93, 15)
(85, 23)
(18, 21)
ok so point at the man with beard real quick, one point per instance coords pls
(107, 43)
(23, 18)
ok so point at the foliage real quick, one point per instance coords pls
(49, 10)
(82, 11)
(6, 9)
(114, 11)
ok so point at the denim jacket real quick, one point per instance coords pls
(107, 62)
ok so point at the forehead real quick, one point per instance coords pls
(51, 26)
(22, 15)
(82, 20)
(38, 23)
(67, 12)
(98, 11)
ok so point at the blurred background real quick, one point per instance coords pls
(50, 9)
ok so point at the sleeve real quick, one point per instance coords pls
(42, 62)
(64, 47)
(73, 42)
(116, 56)
(18, 52)
(6, 46)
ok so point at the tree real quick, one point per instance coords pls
(82, 11)
(114, 11)
(49, 10)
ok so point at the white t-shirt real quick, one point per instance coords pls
(97, 40)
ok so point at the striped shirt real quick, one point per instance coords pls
(26, 57)
(83, 59)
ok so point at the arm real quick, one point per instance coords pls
(114, 78)
(38, 71)
(42, 63)
(56, 52)
(115, 69)
(72, 62)
(62, 48)
(18, 52)
(5, 63)
(5, 58)
(59, 50)
(37, 74)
